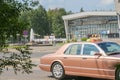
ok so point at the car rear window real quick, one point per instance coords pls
(74, 49)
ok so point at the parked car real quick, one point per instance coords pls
(99, 60)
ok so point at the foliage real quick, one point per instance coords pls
(84, 39)
(57, 23)
(8, 21)
(24, 18)
(43, 22)
(74, 40)
(10, 10)
(18, 61)
(81, 10)
(69, 12)
(39, 21)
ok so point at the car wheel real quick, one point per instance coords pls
(117, 75)
(58, 71)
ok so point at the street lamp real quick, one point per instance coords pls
(25, 36)
(11, 37)
(18, 37)
(38, 38)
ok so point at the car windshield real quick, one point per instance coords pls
(110, 48)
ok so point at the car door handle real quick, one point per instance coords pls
(84, 58)
(65, 57)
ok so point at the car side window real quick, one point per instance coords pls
(89, 49)
(74, 49)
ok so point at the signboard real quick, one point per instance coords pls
(117, 6)
(25, 32)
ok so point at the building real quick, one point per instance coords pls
(86, 23)
(117, 6)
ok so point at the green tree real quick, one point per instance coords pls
(24, 18)
(25, 21)
(57, 23)
(81, 10)
(50, 15)
(69, 12)
(39, 21)
(8, 21)
(10, 10)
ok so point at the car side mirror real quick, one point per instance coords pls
(98, 54)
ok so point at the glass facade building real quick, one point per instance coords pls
(86, 24)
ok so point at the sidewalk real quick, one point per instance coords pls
(44, 48)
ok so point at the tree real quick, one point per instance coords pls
(39, 21)
(69, 12)
(57, 23)
(81, 10)
(50, 15)
(8, 21)
(10, 11)
(24, 18)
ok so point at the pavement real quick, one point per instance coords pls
(37, 52)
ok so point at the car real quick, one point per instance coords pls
(88, 59)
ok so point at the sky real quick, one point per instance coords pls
(76, 5)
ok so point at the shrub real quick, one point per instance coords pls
(74, 40)
(84, 39)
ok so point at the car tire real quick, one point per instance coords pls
(58, 71)
(117, 74)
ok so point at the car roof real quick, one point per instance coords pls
(105, 42)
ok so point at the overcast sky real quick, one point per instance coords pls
(75, 5)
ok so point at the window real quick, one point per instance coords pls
(89, 49)
(110, 47)
(74, 49)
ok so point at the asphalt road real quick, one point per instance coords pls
(37, 73)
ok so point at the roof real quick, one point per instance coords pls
(87, 14)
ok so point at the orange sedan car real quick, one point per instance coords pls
(99, 60)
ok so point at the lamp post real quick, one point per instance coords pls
(38, 38)
(25, 36)
(11, 37)
(18, 37)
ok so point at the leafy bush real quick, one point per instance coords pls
(74, 40)
(68, 41)
(84, 39)
(19, 61)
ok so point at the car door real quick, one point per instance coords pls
(108, 61)
(71, 58)
(89, 62)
